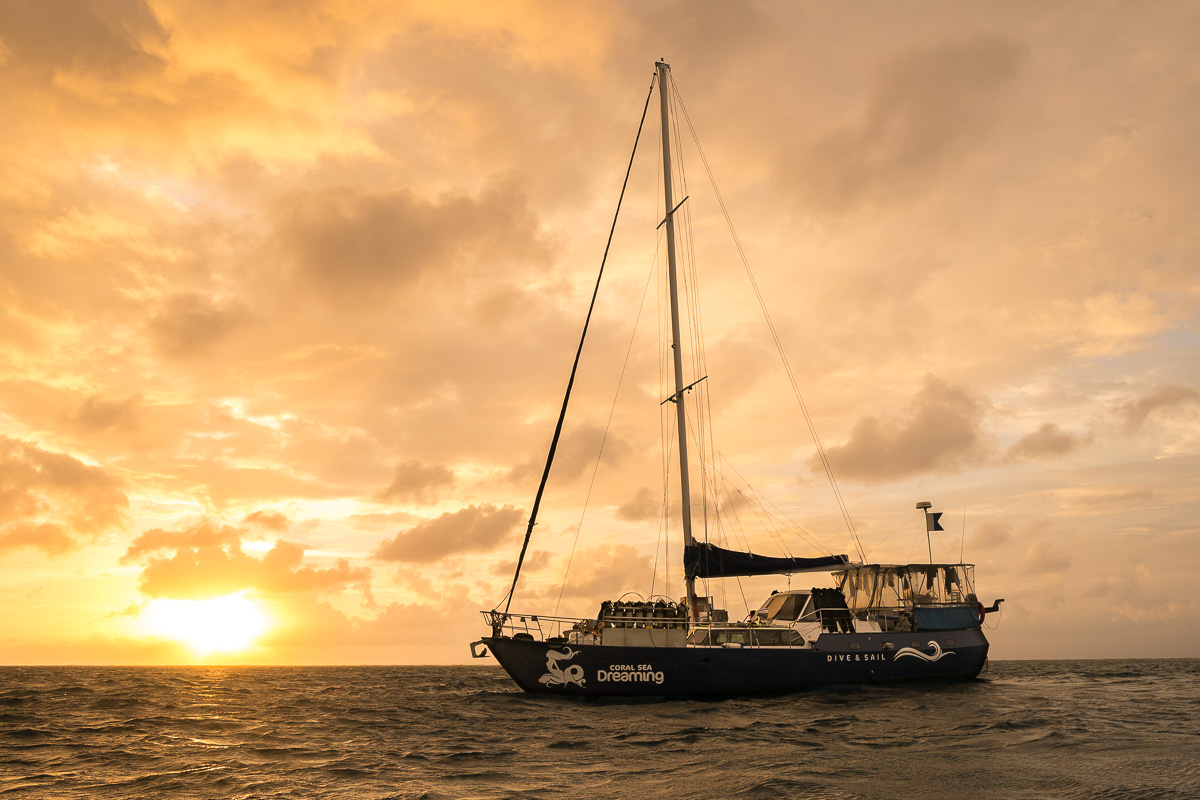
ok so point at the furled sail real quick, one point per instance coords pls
(706, 560)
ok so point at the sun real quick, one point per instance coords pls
(219, 625)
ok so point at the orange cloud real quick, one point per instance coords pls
(1160, 399)
(930, 106)
(44, 495)
(208, 561)
(357, 247)
(1048, 441)
(268, 520)
(469, 530)
(940, 432)
(418, 483)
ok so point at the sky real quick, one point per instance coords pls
(289, 293)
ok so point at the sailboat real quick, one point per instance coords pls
(879, 623)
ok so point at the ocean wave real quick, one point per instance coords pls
(1036, 729)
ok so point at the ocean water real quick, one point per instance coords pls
(1027, 729)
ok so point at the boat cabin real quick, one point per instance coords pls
(825, 608)
(903, 597)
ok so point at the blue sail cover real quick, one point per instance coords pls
(709, 561)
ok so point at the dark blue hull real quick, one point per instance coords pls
(608, 670)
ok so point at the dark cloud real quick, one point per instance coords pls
(646, 506)
(930, 106)
(939, 433)
(415, 482)
(1135, 413)
(188, 324)
(358, 247)
(44, 494)
(1048, 441)
(59, 36)
(470, 530)
(98, 414)
(577, 453)
(208, 561)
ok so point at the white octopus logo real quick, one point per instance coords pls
(915, 653)
(556, 675)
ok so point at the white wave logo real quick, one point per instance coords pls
(556, 675)
(915, 653)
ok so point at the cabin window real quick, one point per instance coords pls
(778, 637)
(763, 637)
(786, 607)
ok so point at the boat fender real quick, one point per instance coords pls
(981, 612)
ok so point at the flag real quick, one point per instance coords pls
(932, 521)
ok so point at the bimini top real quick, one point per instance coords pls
(905, 585)
(706, 560)
(919, 569)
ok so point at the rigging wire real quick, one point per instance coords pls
(906, 523)
(837, 493)
(603, 439)
(537, 500)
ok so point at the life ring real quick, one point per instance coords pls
(981, 612)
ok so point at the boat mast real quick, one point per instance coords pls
(676, 348)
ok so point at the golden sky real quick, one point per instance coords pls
(289, 292)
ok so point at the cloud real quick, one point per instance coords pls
(199, 536)
(940, 432)
(360, 247)
(46, 496)
(275, 521)
(535, 561)
(605, 572)
(97, 414)
(415, 482)
(1048, 441)
(931, 106)
(294, 262)
(1042, 557)
(469, 530)
(1135, 413)
(207, 561)
(576, 454)
(64, 38)
(189, 323)
(308, 622)
(990, 535)
(49, 537)
(645, 506)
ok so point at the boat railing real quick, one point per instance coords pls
(531, 626)
(909, 605)
(552, 628)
